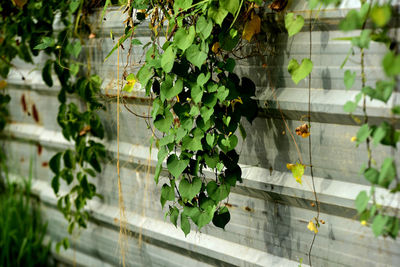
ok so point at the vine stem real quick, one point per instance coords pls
(122, 217)
(310, 145)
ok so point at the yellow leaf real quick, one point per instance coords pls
(353, 139)
(297, 171)
(305, 135)
(364, 222)
(252, 27)
(3, 84)
(215, 47)
(19, 3)
(312, 227)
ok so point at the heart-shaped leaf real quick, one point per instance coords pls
(202, 79)
(174, 90)
(203, 27)
(205, 217)
(163, 123)
(217, 193)
(189, 190)
(176, 166)
(185, 224)
(210, 138)
(167, 193)
(226, 120)
(349, 78)
(221, 217)
(206, 113)
(168, 58)
(196, 93)
(184, 38)
(293, 24)
(222, 93)
(196, 56)
(299, 72)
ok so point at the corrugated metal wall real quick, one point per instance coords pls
(269, 211)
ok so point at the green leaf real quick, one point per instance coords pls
(388, 173)
(217, 14)
(206, 113)
(299, 72)
(221, 217)
(185, 225)
(211, 161)
(157, 171)
(173, 215)
(174, 90)
(192, 143)
(182, 5)
(203, 27)
(372, 175)
(379, 134)
(228, 143)
(293, 24)
(350, 106)
(144, 74)
(363, 133)
(217, 193)
(176, 166)
(349, 78)
(167, 59)
(205, 217)
(163, 123)
(55, 184)
(202, 79)
(210, 138)
(46, 73)
(381, 15)
(73, 5)
(382, 92)
(222, 93)
(167, 139)
(196, 93)
(391, 64)
(196, 56)
(69, 159)
(189, 190)
(183, 38)
(74, 69)
(120, 41)
(363, 40)
(229, 5)
(194, 111)
(378, 224)
(362, 201)
(167, 194)
(136, 42)
(106, 4)
(180, 134)
(75, 49)
(351, 22)
(396, 110)
(46, 42)
(55, 162)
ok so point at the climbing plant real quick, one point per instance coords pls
(379, 17)
(28, 27)
(199, 103)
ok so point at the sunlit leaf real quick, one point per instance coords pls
(251, 27)
(297, 171)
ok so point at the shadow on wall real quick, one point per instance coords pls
(276, 229)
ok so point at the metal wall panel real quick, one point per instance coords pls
(270, 211)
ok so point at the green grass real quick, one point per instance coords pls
(21, 228)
